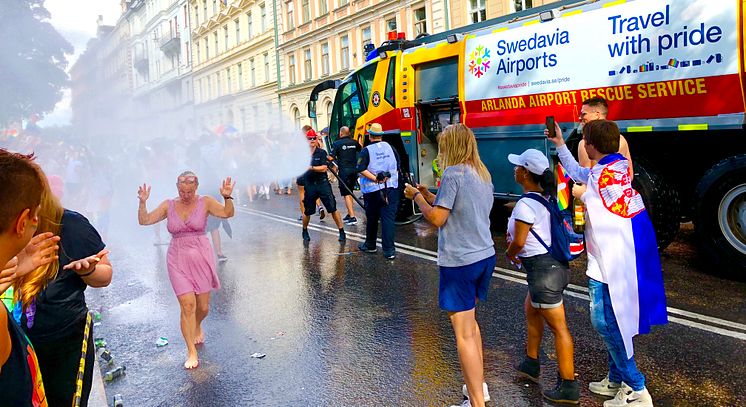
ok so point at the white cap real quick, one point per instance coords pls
(534, 160)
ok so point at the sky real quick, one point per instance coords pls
(76, 21)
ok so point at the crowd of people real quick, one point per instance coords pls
(52, 254)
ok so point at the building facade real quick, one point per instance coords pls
(191, 66)
(235, 70)
(161, 68)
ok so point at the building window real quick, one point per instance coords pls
(291, 69)
(240, 77)
(215, 36)
(253, 72)
(219, 86)
(199, 54)
(238, 31)
(225, 35)
(329, 111)
(251, 25)
(477, 11)
(266, 67)
(323, 7)
(520, 5)
(263, 10)
(296, 117)
(306, 9)
(196, 14)
(291, 17)
(204, 10)
(307, 63)
(214, 6)
(420, 21)
(343, 2)
(391, 24)
(366, 36)
(325, 58)
(228, 84)
(207, 49)
(345, 57)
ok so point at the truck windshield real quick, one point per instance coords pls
(347, 108)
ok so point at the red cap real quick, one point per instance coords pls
(310, 134)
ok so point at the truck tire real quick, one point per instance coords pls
(661, 202)
(720, 215)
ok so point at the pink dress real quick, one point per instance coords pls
(190, 260)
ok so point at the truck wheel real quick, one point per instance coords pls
(661, 202)
(720, 215)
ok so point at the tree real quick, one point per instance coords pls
(32, 60)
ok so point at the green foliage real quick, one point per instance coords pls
(32, 60)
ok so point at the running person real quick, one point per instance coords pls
(529, 230)
(466, 252)
(191, 260)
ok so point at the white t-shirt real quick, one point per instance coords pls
(535, 213)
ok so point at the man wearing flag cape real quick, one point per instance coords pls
(625, 281)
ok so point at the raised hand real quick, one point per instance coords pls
(422, 188)
(558, 140)
(87, 264)
(143, 192)
(40, 251)
(226, 188)
(8, 271)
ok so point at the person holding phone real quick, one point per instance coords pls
(53, 299)
(530, 225)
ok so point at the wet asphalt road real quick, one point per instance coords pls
(343, 328)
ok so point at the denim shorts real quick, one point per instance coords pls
(547, 278)
(460, 286)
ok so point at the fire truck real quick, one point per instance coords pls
(672, 72)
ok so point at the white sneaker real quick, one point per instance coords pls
(628, 397)
(605, 387)
(465, 403)
(484, 388)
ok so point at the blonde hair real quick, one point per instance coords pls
(29, 286)
(457, 145)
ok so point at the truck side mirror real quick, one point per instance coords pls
(312, 109)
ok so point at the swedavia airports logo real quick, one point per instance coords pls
(479, 61)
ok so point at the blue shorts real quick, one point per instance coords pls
(461, 286)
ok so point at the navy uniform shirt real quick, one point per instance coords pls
(345, 151)
(317, 159)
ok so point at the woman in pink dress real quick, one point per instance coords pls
(190, 260)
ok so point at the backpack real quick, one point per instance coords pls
(566, 245)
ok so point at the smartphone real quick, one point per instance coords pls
(550, 126)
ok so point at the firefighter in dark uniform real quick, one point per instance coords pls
(378, 166)
(317, 187)
(344, 151)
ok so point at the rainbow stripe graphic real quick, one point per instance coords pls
(563, 189)
(673, 62)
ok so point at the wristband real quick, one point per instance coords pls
(415, 195)
(227, 197)
(88, 273)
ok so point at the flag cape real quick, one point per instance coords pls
(563, 190)
(626, 250)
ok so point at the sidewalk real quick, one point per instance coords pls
(98, 392)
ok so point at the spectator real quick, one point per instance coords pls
(625, 281)
(596, 109)
(547, 278)
(20, 194)
(53, 300)
(466, 253)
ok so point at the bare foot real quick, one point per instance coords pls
(199, 338)
(192, 362)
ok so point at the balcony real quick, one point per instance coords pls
(141, 62)
(171, 45)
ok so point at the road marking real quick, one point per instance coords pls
(520, 277)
